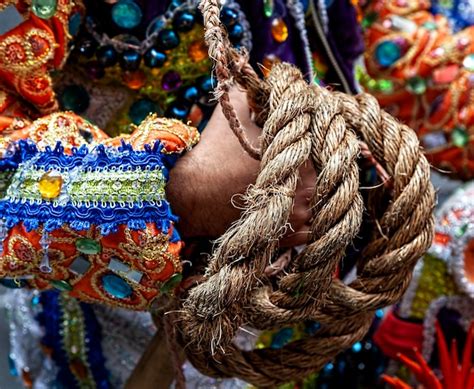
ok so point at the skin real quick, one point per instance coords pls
(205, 183)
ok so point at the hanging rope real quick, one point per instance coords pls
(304, 122)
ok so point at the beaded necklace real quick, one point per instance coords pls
(167, 72)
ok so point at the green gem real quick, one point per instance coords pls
(430, 26)
(44, 9)
(385, 86)
(61, 285)
(172, 283)
(459, 137)
(416, 85)
(460, 231)
(369, 19)
(372, 84)
(88, 246)
(268, 6)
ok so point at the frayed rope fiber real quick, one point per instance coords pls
(301, 123)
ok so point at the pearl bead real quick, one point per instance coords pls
(168, 39)
(184, 21)
(229, 16)
(107, 56)
(130, 60)
(154, 58)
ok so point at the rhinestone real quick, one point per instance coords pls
(88, 246)
(50, 185)
(116, 286)
(279, 30)
(387, 53)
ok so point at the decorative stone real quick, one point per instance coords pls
(44, 9)
(468, 62)
(229, 16)
(184, 21)
(61, 285)
(130, 60)
(107, 56)
(134, 80)
(171, 81)
(80, 265)
(74, 98)
(78, 368)
(140, 109)
(268, 6)
(385, 86)
(387, 53)
(50, 185)
(168, 39)
(172, 283)
(197, 51)
(369, 19)
(459, 137)
(88, 246)
(116, 286)
(134, 275)
(154, 58)
(279, 30)
(74, 23)
(127, 14)
(446, 74)
(118, 266)
(416, 85)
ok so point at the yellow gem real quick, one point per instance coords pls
(50, 185)
(279, 30)
(197, 51)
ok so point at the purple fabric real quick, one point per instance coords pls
(345, 37)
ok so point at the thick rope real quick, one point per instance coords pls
(303, 122)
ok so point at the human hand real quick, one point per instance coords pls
(205, 183)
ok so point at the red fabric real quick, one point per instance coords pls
(396, 335)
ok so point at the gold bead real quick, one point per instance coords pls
(50, 185)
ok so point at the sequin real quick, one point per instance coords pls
(50, 185)
(416, 85)
(140, 109)
(387, 53)
(116, 286)
(279, 30)
(459, 137)
(171, 81)
(88, 246)
(134, 80)
(126, 14)
(468, 62)
(74, 98)
(44, 9)
(197, 51)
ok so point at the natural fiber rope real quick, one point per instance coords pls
(303, 122)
